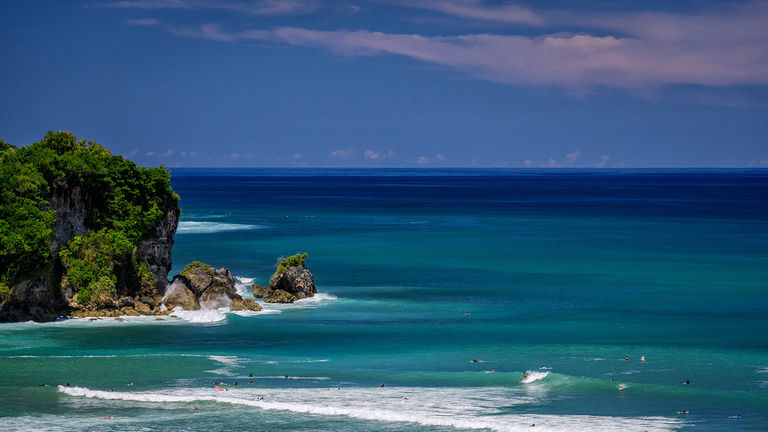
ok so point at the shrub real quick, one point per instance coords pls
(284, 263)
(127, 203)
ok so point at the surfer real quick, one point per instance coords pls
(43, 385)
(525, 375)
(626, 358)
(194, 407)
(251, 375)
(111, 390)
(236, 383)
(108, 418)
(687, 382)
(642, 358)
(734, 417)
(683, 412)
(67, 385)
(250, 382)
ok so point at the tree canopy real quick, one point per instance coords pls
(125, 204)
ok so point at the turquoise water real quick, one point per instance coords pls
(419, 273)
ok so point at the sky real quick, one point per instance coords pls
(392, 83)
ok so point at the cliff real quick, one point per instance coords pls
(82, 230)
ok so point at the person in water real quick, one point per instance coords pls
(687, 381)
(194, 407)
(525, 375)
(626, 358)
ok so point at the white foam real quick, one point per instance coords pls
(532, 376)
(194, 227)
(305, 303)
(426, 406)
(202, 316)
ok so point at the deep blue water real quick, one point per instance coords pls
(421, 272)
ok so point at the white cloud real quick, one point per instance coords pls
(150, 153)
(422, 160)
(133, 152)
(474, 9)
(342, 154)
(377, 155)
(603, 161)
(167, 153)
(297, 155)
(253, 7)
(439, 157)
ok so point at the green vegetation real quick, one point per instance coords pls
(194, 265)
(284, 263)
(125, 203)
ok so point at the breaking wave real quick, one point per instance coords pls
(194, 227)
(419, 405)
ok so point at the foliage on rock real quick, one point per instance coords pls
(125, 204)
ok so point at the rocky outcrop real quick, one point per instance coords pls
(201, 286)
(179, 295)
(297, 281)
(280, 296)
(273, 296)
(47, 295)
(156, 251)
(36, 298)
(245, 305)
(70, 204)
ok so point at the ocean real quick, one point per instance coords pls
(437, 291)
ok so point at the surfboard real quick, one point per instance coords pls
(218, 388)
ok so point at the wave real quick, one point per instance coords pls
(446, 407)
(195, 227)
(532, 376)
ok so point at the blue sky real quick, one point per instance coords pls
(393, 83)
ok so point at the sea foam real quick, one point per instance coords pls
(471, 408)
(194, 227)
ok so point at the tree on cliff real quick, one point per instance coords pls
(123, 204)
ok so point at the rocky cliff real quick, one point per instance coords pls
(82, 231)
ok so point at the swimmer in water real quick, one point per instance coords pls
(626, 358)
(642, 358)
(194, 407)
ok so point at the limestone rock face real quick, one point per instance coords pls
(180, 295)
(45, 296)
(245, 304)
(297, 281)
(260, 291)
(280, 296)
(70, 204)
(37, 298)
(207, 287)
(156, 251)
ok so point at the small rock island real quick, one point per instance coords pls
(87, 233)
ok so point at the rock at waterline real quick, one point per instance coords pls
(245, 304)
(297, 281)
(180, 295)
(280, 296)
(200, 285)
